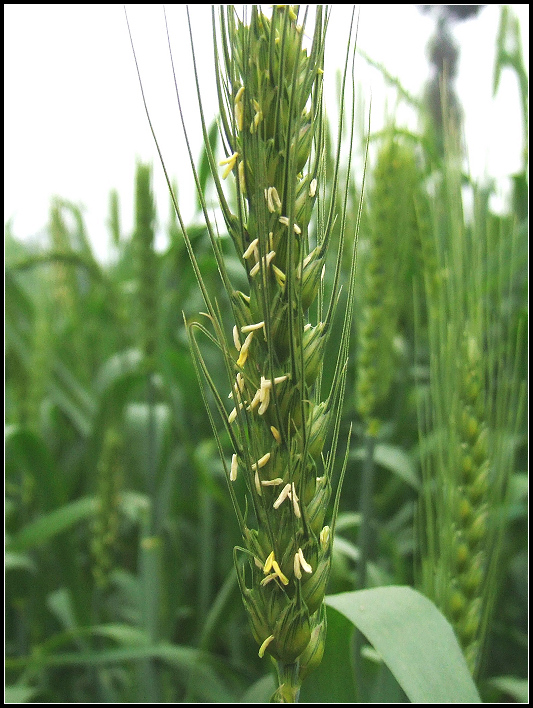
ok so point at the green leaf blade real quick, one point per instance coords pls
(47, 526)
(415, 641)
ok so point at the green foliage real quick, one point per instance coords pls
(402, 625)
(120, 585)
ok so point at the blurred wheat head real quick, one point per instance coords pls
(392, 237)
(273, 130)
(476, 402)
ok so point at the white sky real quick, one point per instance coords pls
(75, 125)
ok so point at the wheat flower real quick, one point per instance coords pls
(283, 428)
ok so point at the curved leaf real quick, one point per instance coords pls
(415, 641)
(49, 525)
(123, 634)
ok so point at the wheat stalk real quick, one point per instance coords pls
(273, 129)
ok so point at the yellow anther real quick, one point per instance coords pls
(285, 492)
(257, 118)
(308, 259)
(257, 484)
(265, 261)
(278, 572)
(305, 565)
(261, 462)
(296, 567)
(239, 108)
(300, 564)
(272, 564)
(268, 578)
(264, 645)
(271, 482)
(264, 394)
(273, 200)
(236, 340)
(230, 162)
(285, 221)
(256, 400)
(280, 276)
(239, 382)
(324, 538)
(243, 354)
(275, 433)
(251, 248)
(264, 403)
(234, 466)
(237, 388)
(242, 180)
(268, 562)
(294, 500)
(252, 327)
(239, 115)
